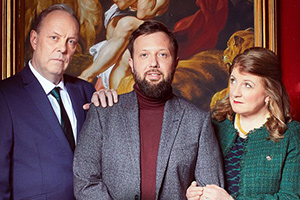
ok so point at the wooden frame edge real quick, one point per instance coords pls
(265, 24)
(12, 37)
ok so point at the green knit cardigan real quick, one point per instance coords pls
(269, 170)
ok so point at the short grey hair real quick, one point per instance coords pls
(63, 7)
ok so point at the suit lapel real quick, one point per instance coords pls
(173, 114)
(40, 99)
(130, 118)
(77, 103)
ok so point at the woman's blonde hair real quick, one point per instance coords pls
(265, 64)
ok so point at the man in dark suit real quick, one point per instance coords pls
(151, 144)
(41, 113)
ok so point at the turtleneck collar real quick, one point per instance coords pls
(147, 102)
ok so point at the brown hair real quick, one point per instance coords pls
(149, 27)
(265, 64)
(40, 18)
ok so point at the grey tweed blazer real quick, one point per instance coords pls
(107, 157)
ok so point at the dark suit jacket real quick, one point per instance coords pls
(35, 156)
(107, 157)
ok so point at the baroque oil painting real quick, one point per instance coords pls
(209, 33)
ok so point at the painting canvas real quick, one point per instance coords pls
(209, 33)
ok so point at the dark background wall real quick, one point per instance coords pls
(289, 50)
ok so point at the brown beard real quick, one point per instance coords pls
(154, 90)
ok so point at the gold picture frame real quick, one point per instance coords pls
(265, 24)
(265, 32)
(12, 38)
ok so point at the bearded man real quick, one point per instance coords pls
(151, 144)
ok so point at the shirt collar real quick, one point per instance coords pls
(46, 84)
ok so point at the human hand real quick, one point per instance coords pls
(103, 97)
(214, 192)
(194, 192)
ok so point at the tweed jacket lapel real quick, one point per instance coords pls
(40, 99)
(173, 114)
(130, 118)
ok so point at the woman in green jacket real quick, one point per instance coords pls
(259, 141)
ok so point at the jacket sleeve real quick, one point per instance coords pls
(209, 167)
(290, 180)
(6, 143)
(87, 168)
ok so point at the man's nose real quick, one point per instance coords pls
(153, 62)
(62, 46)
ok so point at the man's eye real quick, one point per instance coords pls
(73, 42)
(143, 55)
(54, 37)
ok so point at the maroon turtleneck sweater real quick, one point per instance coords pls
(150, 118)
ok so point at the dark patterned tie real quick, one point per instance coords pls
(65, 122)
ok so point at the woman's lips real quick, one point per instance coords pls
(237, 102)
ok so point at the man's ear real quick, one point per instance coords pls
(130, 62)
(33, 39)
(176, 62)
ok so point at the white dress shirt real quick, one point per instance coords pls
(48, 86)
